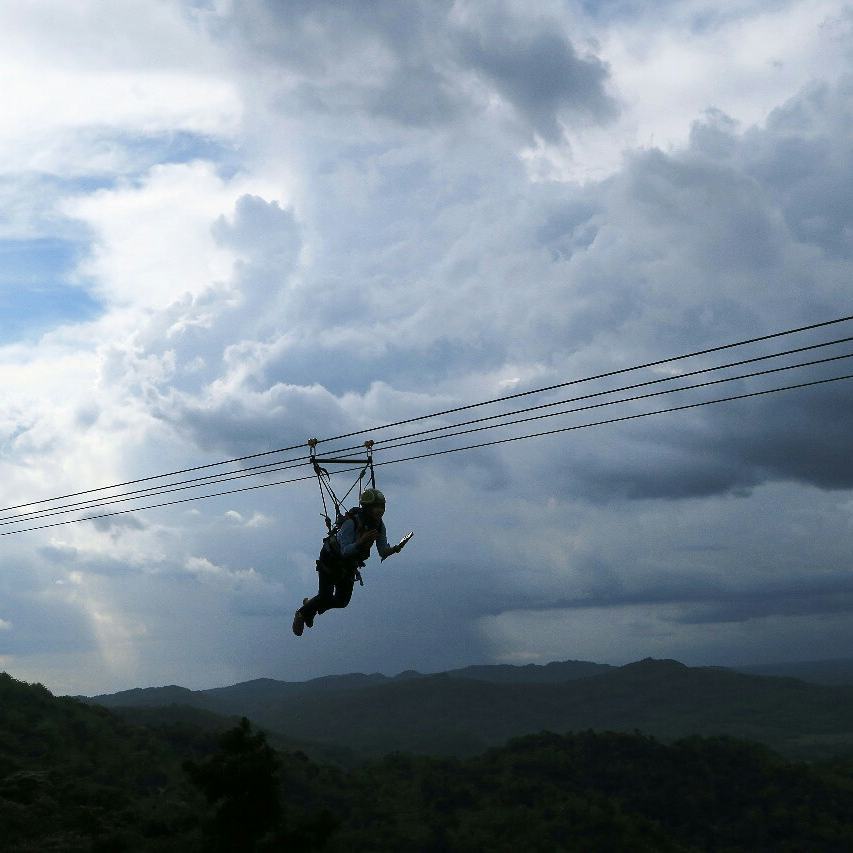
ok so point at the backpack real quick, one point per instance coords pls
(330, 559)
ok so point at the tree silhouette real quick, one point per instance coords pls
(241, 782)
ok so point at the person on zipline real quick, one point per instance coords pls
(343, 554)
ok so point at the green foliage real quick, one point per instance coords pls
(74, 777)
(77, 778)
(600, 791)
(450, 714)
(241, 782)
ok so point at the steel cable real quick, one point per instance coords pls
(284, 464)
(450, 450)
(452, 410)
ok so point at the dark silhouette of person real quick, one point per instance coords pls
(343, 554)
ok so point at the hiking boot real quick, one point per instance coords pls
(298, 623)
(308, 620)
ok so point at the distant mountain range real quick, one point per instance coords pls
(78, 777)
(815, 671)
(463, 711)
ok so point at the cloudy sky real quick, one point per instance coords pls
(228, 227)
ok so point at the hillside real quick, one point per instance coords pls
(70, 773)
(442, 715)
(450, 714)
(170, 718)
(593, 792)
(76, 778)
(838, 671)
(248, 697)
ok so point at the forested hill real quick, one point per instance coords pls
(261, 691)
(837, 671)
(451, 714)
(72, 774)
(76, 778)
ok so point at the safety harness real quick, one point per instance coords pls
(330, 543)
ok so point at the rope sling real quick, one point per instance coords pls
(324, 480)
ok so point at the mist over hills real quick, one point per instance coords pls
(464, 711)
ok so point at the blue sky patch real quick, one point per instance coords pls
(36, 292)
(180, 147)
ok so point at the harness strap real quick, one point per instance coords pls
(323, 498)
(324, 480)
(356, 483)
(369, 446)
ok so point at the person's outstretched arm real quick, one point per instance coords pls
(396, 548)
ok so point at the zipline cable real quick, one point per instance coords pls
(283, 464)
(613, 402)
(448, 450)
(153, 491)
(612, 420)
(166, 503)
(453, 410)
(400, 441)
(51, 511)
(673, 378)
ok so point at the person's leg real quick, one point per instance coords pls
(343, 592)
(330, 594)
(321, 602)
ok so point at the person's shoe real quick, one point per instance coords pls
(298, 623)
(309, 621)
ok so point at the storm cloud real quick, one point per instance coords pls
(389, 212)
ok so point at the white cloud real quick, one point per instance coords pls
(72, 68)
(152, 241)
(672, 62)
(203, 566)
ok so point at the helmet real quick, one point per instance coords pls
(369, 497)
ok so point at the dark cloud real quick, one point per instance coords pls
(292, 31)
(243, 422)
(569, 226)
(408, 62)
(635, 472)
(707, 210)
(713, 238)
(388, 61)
(415, 95)
(803, 158)
(798, 435)
(727, 448)
(691, 598)
(699, 18)
(807, 595)
(542, 76)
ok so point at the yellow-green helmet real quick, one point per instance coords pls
(369, 497)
